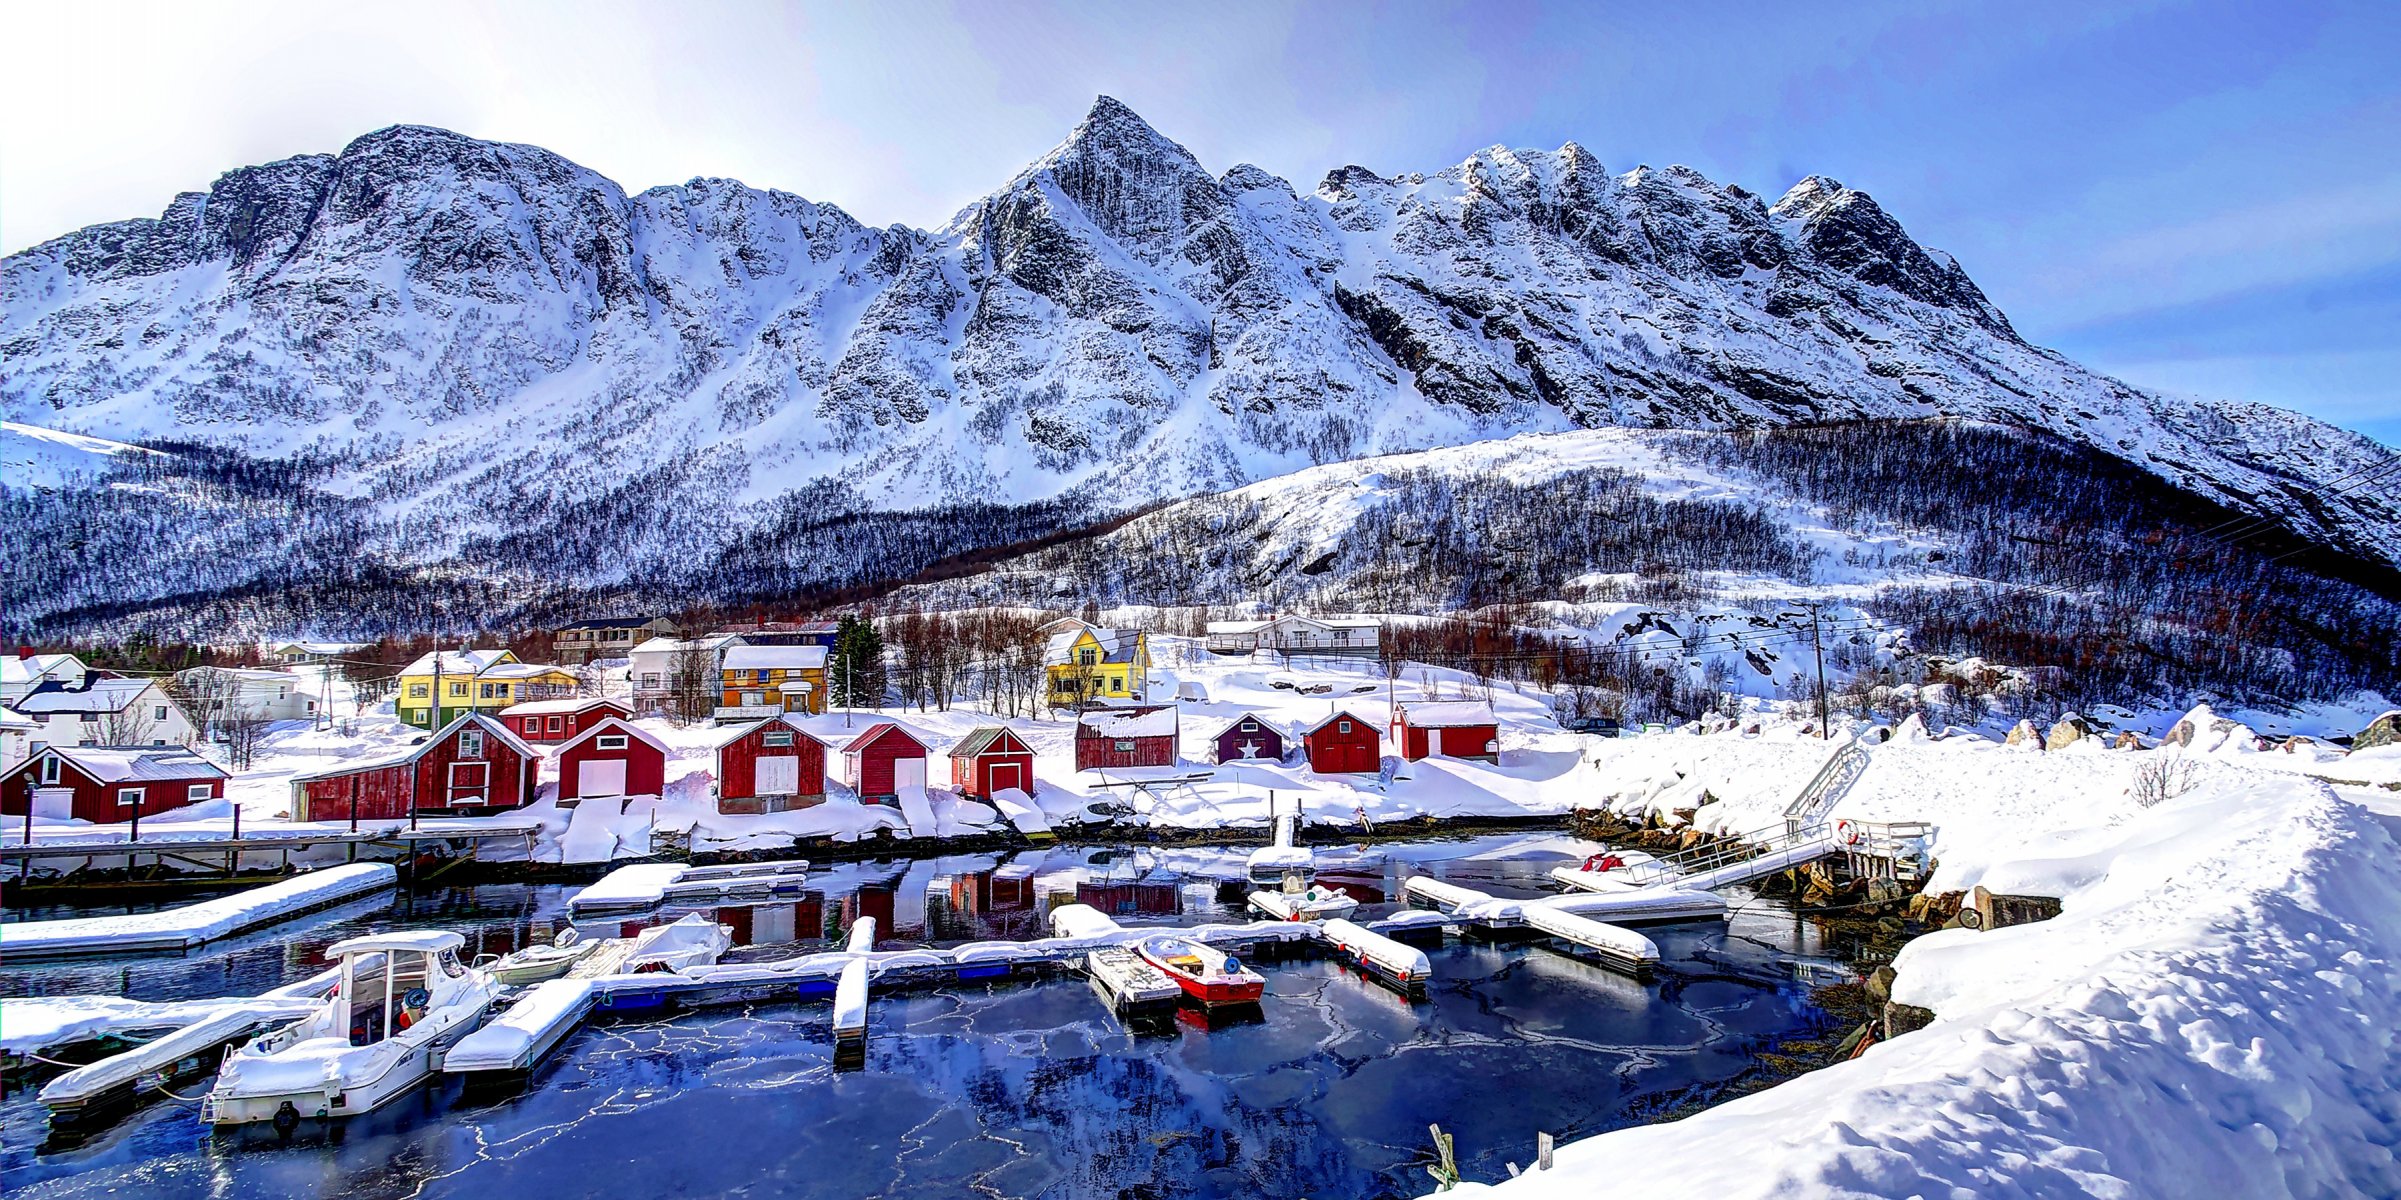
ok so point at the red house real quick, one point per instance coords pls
(472, 765)
(1250, 738)
(1126, 737)
(108, 784)
(1452, 729)
(988, 760)
(882, 760)
(770, 766)
(610, 760)
(1343, 744)
(547, 722)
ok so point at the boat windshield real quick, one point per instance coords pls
(386, 993)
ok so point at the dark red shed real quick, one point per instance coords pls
(1343, 744)
(991, 759)
(108, 784)
(610, 760)
(882, 760)
(1141, 736)
(1452, 729)
(547, 722)
(1250, 737)
(474, 764)
(772, 766)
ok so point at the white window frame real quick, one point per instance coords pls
(50, 771)
(195, 793)
(1125, 745)
(1342, 727)
(776, 739)
(609, 741)
(558, 724)
(131, 797)
(471, 743)
(158, 712)
(450, 795)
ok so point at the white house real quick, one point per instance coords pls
(26, 671)
(16, 737)
(1346, 637)
(275, 695)
(315, 652)
(105, 712)
(650, 666)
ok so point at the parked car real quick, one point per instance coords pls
(1597, 726)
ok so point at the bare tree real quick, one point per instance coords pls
(127, 726)
(242, 730)
(693, 683)
(2163, 779)
(207, 695)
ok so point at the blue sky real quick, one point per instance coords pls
(2197, 196)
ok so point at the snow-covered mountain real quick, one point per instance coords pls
(487, 344)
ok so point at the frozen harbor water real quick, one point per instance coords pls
(1020, 1090)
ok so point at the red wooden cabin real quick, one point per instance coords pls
(770, 766)
(1343, 744)
(1452, 729)
(548, 722)
(473, 765)
(1143, 736)
(610, 760)
(108, 784)
(1250, 738)
(991, 759)
(881, 760)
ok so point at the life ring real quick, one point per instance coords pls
(1848, 832)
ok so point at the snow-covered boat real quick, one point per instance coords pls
(1206, 973)
(400, 1001)
(1313, 903)
(537, 963)
(692, 941)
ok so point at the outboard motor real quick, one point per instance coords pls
(286, 1119)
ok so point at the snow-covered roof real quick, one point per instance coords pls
(430, 941)
(12, 719)
(1237, 626)
(95, 696)
(611, 623)
(1447, 714)
(245, 674)
(868, 736)
(668, 645)
(769, 658)
(28, 669)
(535, 708)
(1338, 715)
(1128, 722)
(979, 740)
(491, 728)
(319, 647)
(133, 764)
(455, 662)
(1116, 645)
(1239, 718)
(522, 671)
(613, 725)
(790, 721)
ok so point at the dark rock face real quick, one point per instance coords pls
(1115, 323)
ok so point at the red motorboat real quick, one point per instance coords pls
(1210, 976)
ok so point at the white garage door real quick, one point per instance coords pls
(908, 774)
(779, 776)
(604, 778)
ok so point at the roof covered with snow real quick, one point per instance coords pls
(1239, 718)
(790, 720)
(987, 738)
(876, 732)
(611, 623)
(132, 764)
(1339, 715)
(483, 721)
(456, 662)
(1446, 714)
(15, 670)
(97, 695)
(1116, 645)
(769, 658)
(533, 708)
(521, 671)
(613, 725)
(1127, 723)
(668, 645)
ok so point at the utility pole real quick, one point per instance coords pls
(1818, 644)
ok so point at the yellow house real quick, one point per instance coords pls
(1088, 663)
(474, 681)
(763, 681)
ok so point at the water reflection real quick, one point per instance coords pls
(1019, 1090)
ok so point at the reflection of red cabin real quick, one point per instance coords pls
(772, 766)
(1343, 744)
(991, 759)
(1126, 737)
(547, 722)
(474, 764)
(1452, 729)
(1250, 737)
(881, 760)
(611, 760)
(107, 784)
(1145, 897)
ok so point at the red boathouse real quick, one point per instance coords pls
(1250, 738)
(474, 765)
(882, 760)
(611, 760)
(1126, 737)
(991, 759)
(109, 784)
(1452, 729)
(549, 722)
(1343, 744)
(770, 766)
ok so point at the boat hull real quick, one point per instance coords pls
(339, 1096)
(1214, 990)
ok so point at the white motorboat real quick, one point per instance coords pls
(1313, 903)
(400, 1001)
(537, 963)
(693, 941)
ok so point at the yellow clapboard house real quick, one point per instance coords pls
(474, 681)
(1089, 663)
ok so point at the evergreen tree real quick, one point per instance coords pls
(855, 672)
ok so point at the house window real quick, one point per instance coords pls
(458, 690)
(498, 691)
(611, 741)
(1342, 727)
(196, 793)
(558, 724)
(753, 699)
(49, 771)
(1087, 658)
(650, 679)
(158, 712)
(129, 798)
(1117, 683)
(417, 691)
(1250, 727)
(776, 739)
(471, 743)
(1125, 745)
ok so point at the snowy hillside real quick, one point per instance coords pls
(486, 349)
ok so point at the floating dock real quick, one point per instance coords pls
(649, 885)
(1620, 947)
(1724, 874)
(850, 1004)
(191, 1050)
(191, 925)
(532, 1027)
(1403, 966)
(1574, 919)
